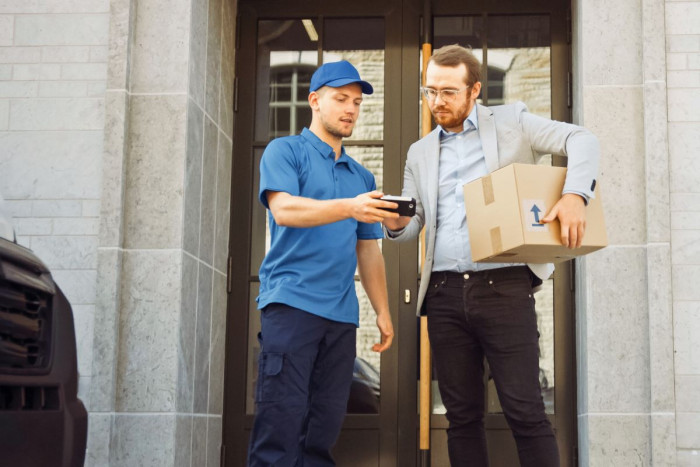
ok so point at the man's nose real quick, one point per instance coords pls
(439, 96)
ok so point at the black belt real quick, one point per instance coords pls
(452, 278)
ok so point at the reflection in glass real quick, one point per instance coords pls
(289, 107)
(287, 57)
(366, 377)
(372, 159)
(466, 31)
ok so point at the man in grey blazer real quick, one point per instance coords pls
(478, 310)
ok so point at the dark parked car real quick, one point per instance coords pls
(364, 390)
(42, 421)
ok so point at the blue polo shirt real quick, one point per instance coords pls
(313, 268)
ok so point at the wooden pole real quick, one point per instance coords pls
(425, 357)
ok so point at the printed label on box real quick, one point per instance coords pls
(533, 212)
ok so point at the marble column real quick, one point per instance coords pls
(157, 392)
(624, 321)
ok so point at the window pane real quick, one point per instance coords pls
(518, 31)
(364, 392)
(303, 118)
(519, 62)
(280, 92)
(287, 56)
(372, 159)
(466, 31)
(279, 121)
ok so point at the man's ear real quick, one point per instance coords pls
(476, 90)
(313, 100)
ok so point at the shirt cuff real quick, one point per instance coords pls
(585, 197)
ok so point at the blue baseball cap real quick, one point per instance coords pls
(337, 74)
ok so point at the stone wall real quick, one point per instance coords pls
(625, 355)
(683, 107)
(529, 80)
(157, 392)
(114, 145)
(53, 71)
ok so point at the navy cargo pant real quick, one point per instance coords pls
(304, 377)
(489, 313)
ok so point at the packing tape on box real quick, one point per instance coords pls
(496, 242)
(487, 186)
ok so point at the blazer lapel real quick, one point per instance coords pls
(487, 134)
(432, 162)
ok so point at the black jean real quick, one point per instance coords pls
(489, 314)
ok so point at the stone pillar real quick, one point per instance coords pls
(157, 392)
(683, 76)
(624, 321)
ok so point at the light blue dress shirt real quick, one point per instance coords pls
(461, 161)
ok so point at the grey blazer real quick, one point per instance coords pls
(508, 134)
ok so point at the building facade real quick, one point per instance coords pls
(116, 163)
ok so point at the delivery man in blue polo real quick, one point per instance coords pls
(324, 214)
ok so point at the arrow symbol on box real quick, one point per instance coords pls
(536, 211)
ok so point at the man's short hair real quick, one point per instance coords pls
(454, 55)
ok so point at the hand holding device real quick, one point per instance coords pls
(407, 206)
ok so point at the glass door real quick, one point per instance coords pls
(524, 58)
(279, 49)
(287, 55)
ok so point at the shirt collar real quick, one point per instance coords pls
(471, 122)
(325, 149)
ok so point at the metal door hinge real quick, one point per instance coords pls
(229, 273)
(569, 32)
(407, 296)
(569, 89)
(222, 459)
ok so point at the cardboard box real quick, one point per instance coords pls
(504, 210)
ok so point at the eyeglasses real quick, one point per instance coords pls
(447, 95)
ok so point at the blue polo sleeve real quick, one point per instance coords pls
(369, 231)
(279, 169)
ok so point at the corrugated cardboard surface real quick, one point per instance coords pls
(503, 213)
